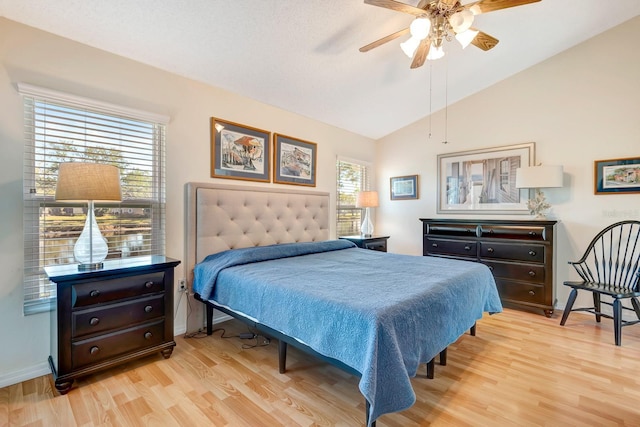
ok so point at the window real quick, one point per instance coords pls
(353, 177)
(63, 128)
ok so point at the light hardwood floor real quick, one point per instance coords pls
(521, 369)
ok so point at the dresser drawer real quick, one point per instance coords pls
(521, 252)
(93, 350)
(89, 293)
(524, 232)
(517, 271)
(457, 230)
(115, 316)
(450, 247)
(530, 293)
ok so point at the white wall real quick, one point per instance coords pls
(579, 106)
(32, 56)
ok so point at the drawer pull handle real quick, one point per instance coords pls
(490, 267)
(148, 335)
(532, 273)
(467, 248)
(532, 253)
(94, 321)
(148, 285)
(533, 233)
(532, 293)
(435, 245)
(94, 293)
(490, 250)
(94, 350)
(148, 309)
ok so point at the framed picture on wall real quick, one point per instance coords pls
(239, 151)
(294, 161)
(484, 181)
(404, 187)
(617, 176)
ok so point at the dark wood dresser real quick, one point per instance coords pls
(106, 317)
(519, 253)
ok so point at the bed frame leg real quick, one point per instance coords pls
(282, 356)
(472, 331)
(209, 319)
(368, 407)
(431, 368)
(443, 357)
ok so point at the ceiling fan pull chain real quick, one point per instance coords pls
(446, 100)
(430, 94)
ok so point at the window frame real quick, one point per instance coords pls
(364, 184)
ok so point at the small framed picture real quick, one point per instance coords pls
(294, 161)
(617, 176)
(404, 187)
(239, 151)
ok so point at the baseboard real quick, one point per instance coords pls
(25, 374)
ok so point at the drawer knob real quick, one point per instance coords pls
(533, 233)
(490, 267)
(435, 245)
(148, 335)
(94, 293)
(532, 273)
(94, 321)
(148, 285)
(467, 248)
(532, 293)
(94, 350)
(532, 253)
(490, 250)
(148, 309)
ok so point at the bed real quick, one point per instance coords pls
(264, 255)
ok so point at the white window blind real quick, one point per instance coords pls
(62, 128)
(353, 177)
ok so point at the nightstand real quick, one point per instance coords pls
(375, 243)
(106, 317)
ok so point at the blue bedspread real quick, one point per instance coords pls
(382, 314)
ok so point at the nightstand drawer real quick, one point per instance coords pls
(114, 316)
(517, 271)
(526, 252)
(90, 293)
(450, 247)
(93, 350)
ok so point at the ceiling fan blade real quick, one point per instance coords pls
(421, 53)
(484, 41)
(384, 40)
(485, 6)
(397, 6)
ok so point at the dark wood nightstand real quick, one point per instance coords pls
(376, 243)
(110, 316)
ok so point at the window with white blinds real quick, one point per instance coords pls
(63, 128)
(353, 177)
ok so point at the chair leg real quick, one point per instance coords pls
(567, 308)
(617, 321)
(596, 306)
(636, 306)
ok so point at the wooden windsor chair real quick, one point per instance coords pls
(611, 267)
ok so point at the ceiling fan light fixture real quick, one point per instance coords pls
(466, 37)
(461, 21)
(409, 47)
(420, 27)
(436, 52)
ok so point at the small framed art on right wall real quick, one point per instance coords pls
(404, 187)
(617, 176)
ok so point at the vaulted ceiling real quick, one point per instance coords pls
(302, 55)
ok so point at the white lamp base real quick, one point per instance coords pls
(366, 229)
(90, 248)
(538, 205)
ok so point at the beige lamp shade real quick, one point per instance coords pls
(367, 199)
(79, 182)
(539, 177)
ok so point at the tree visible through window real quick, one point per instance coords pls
(61, 129)
(352, 178)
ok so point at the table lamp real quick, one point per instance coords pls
(89, 182)
(539, 177)
(367, 199)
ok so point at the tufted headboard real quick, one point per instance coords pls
(221, 217)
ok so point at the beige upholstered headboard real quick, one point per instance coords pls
(221, 217)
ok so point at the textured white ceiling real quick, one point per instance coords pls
(302, 55)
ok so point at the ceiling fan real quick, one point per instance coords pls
(439, 20)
